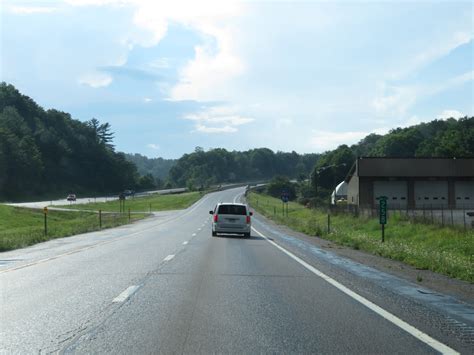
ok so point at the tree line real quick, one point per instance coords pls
(215, 166)
(47, 153)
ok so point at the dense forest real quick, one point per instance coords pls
(203, 168)
(438, 138)
(158, 168)
(46, 152)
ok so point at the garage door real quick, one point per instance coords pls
(464, 194)
(396, 191)
(431, 194)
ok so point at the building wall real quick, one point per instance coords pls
(415, 167)
(396, 192)
(464, 194)
(353, 191)
(366, 192)
(413, 183)
(431, 194)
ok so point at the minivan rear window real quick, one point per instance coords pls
(232, 209)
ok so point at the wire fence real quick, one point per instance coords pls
(55, 224)
(462, 216)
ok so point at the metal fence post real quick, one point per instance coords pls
(45, 223)
(464, 215)
(129, 214)
(442, 215)
(329, 223)
(100, 219)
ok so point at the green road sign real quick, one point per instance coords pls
(383, 210)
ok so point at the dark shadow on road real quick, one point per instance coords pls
(237, 236)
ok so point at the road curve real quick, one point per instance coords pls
(165, 285)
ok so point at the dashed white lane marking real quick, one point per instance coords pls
(425, 338)
(126, 294)
(34, 263)
(193, 235)
(186, 242)
(169, 257)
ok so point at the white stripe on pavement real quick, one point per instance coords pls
(126, 294)
(186, 242)
(425, 338)
(169, 257)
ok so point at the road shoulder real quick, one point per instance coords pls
(459, 289)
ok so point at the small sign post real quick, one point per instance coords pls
(285, 196)
(383, 214)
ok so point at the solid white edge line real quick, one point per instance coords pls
(125, 294)
(425, 338)
(169, 257)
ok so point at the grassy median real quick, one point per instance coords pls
(21, 227)
(151, 203)
(445, 250)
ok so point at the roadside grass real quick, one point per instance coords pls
(21, 227)
(446, 250)
(143, 204)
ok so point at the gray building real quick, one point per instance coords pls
(412, 182)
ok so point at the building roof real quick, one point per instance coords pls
(412, 167)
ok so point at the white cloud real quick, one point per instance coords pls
(147, 99)
(153, 146)
(206, 129)
(397, 100)
(215, 62)
(160, 63)
(326, 140)
(26, 10)
(97, 2)
(205, 77)
(436, 49)
(394, 100)
(450, 114)
(218, 119)
(96, 79)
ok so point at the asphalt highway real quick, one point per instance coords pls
(165, 285)
(83, 200)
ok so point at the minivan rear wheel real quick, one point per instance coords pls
(214, 234)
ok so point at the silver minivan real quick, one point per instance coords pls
(231, 218)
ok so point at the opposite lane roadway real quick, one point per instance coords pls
(165, 285)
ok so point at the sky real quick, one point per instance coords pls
(302, 76)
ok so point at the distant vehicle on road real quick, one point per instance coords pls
(71, 197)
(231, 218)
(129, 193)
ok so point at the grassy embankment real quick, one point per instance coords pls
(21, 227)
(445, 250)
(143, 204)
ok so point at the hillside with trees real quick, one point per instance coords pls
(48, 153)
(158, 168)
(203, 168)
(438, 138)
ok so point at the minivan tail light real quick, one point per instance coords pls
(248, 219)
(215, 217)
